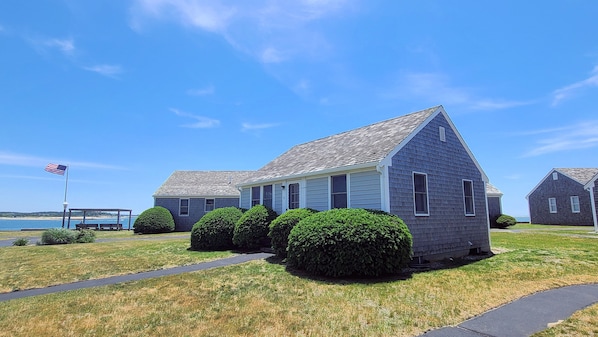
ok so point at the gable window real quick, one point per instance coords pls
(420, 193)
(442, 132)
(468, 197)
(183, 206)
(255, 196)
(555, 176)
(552, 205)
(338, 190)
(294, 196)
(209, 205)
(575, 204)
(267, 196)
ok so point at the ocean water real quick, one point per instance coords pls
(19, 224)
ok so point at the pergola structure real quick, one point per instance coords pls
(86, 210)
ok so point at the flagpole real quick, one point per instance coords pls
(65, 203)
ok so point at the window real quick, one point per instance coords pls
(293, 196)
(468, 197)
(420, 193)
(575, 204)
(338, 190)
(209, 205)
(555, 176)
(183, 206)
(552, 205)
(268, 196)
(442, 133)
(255, 196)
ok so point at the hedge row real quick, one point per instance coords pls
(337, 243)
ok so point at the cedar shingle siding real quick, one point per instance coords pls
(378, 161)
(446, 164)
(569, 182)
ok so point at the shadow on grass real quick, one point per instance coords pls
(404, 274)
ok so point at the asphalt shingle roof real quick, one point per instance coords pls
(581, 175)
(368, 144)
(203, 183)
(492, 190)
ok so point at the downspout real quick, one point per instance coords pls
(592, 200)
(384, 187)
(488, 216)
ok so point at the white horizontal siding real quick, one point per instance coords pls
(317, 193)
(365, 191)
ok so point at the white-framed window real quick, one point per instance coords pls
(209, 205)
(293, 195)
(468, 199)
(555, 176)
(255, 196)
(442, 132)
(575, 204)
(552, 205)
(267, 196)
(420, 194)
(183, 207)
(338, 191)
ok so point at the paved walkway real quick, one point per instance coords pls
(525, 316)
(134, 277)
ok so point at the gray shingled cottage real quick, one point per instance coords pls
(562, 198)
(494, 196)
(188, 195)
(416, 166)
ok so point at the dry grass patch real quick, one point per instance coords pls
(262, 298)
(40, 266)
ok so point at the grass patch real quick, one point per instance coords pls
(40, 266)
(263, 298)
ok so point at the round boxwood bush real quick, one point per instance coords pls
(251, 231)
(85, 236)
(154, 220)
(281, 227)
(214, 231)
(505, 221)
(350, 242)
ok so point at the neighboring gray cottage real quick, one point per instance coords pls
(494, 196)
(561, 198)
(188, 195)
(416, 166)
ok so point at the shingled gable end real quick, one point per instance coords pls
(416, 166)
(564, 197)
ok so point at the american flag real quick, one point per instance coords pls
(56, 169)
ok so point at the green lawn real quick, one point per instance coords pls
(263, 298)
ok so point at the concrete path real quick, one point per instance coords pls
(525, 316)
(134, 277)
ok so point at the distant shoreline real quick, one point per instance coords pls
(54, 218)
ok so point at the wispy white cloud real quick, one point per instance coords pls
(106, 70)
(201, 122)
(572, 137)
(272, 31)
(571, 90)
(254, 127)
(209, 90)
(437, 88)
(18, 159)
(66, 46)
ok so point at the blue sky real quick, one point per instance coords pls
(125, 92)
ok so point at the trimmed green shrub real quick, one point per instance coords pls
(85, 236)
(58, 236)
(505, 221)
(281, 227)
(251, 231)
(21, 242)
(350, 242)
(154, 220)
(214, 231)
